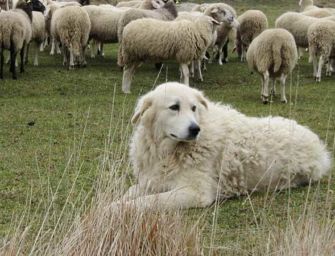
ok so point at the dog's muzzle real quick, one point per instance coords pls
(193, 131)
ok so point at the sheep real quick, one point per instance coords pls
(298, 25)
(223, 31)
(133, 3)
(186, 7)
(157, 40)
(104, 24)
(165, 10)
(38, 35)
(318, 13)
(321, 39)
(52, 6)
(191, 16)
(273, 54)
(15, 34)
(252, 23)
(71, 26)
(308, 5)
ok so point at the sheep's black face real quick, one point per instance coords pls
(26, 7)
(36, 5)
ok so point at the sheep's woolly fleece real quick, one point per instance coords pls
(232, 155)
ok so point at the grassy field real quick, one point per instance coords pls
(56, 123)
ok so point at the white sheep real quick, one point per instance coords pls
(104, 24)
(224, 30)
(318, 13)
(15, 34)
(308, 5)
(321, 39)
(38, 35)
(71, 26)
(298, 25)
(133, 3)
(51, 7)
(186, 7)
(252, 23)
(165, 10)
(156, 40)
(273, 54)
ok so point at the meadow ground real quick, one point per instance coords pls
(54, 122)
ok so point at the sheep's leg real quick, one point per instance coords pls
(220, 54)
(273, 89)
(329, 68)
(315, 66)
(1, 62)
(318, 75)
(300, 52)
(101, 50)
(225, 51)
(71, 64)
(22, 57)
(128, 73)
(265, 91)
(41, 47)
(82, 56)
(36, 56)
(52, 51)
(192, 69)
(283, 94)
(93, 46)
(198, 67)
(186, 73)
(58, 48)
(27, 53)
(13, 60)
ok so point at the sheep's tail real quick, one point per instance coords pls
(277, 58)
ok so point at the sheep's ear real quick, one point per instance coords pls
(215, 10)
(143, 105)
(201, 98)
(215, 22)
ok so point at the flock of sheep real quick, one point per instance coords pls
(160, 30)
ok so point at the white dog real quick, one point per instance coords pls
(187, 151)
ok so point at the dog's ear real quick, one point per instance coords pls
(143, 104)
(201, 98)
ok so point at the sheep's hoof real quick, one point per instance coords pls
(318, 79)
(265, 99)
(71, 67)
(126, 91)
(284, 101)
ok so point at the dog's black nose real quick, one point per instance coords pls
(193, 130)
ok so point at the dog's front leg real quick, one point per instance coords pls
(133, 192)
(175, 199)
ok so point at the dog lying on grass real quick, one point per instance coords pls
(187, 151)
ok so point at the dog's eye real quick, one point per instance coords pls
(174, 107)
(194, 108)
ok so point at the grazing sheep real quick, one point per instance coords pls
(104, 24)
(196, 64)
(298, 25)
(321, 39)
(273, 54)
(71, 26)
(223, 31)
(318, 13)
(133, 3)
(52, 6)
(308, 5)
(156, 40)
(186, 7)
(252, 23)
(166, 10)
(15, 34)
(38, 35)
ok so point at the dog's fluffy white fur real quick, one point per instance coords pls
(177, 167)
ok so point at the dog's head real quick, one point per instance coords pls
(172, 110)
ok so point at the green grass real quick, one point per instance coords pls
(50, 115)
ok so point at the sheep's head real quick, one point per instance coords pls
(36, 5)
(26, 7)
